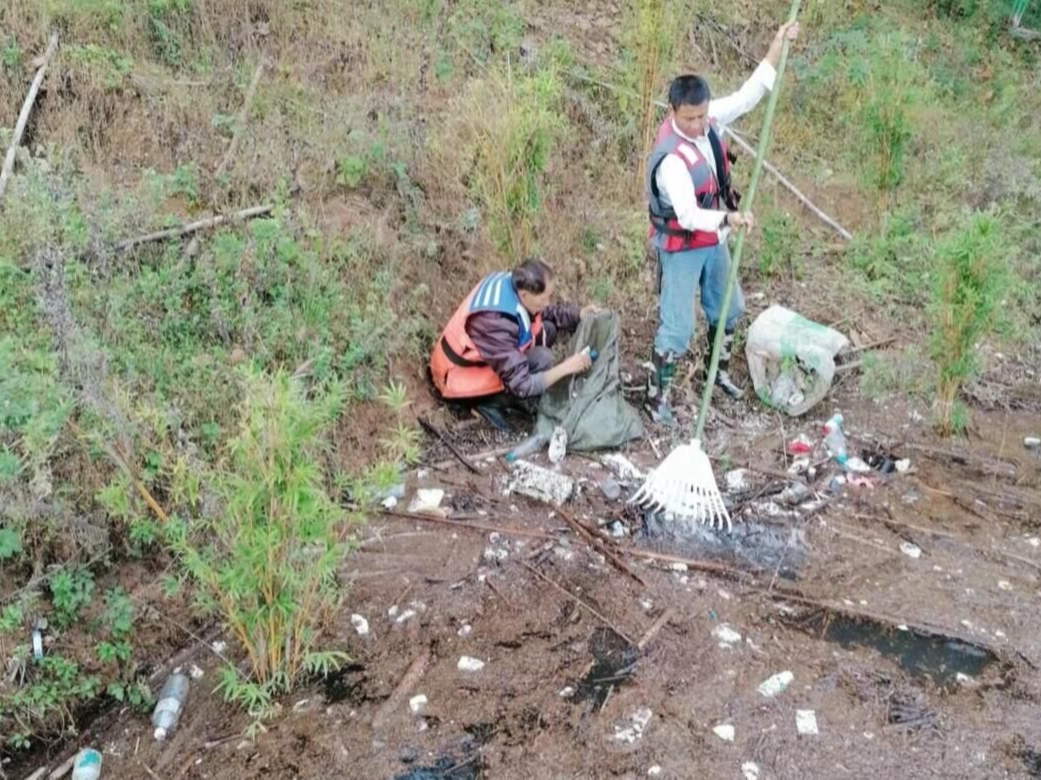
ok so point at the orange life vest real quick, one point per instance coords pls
(456, 365)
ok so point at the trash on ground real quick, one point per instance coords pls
(835, 439)
(468, 664)
(806, 722)
(427, 501)
(170, 705)
(558, 445)
(654, 771)
(622, 467)
(390, 497)
(750, 769)
(361, 625)
(860, 480)
(795, 494)
(776, 684)
(87, 766)
(614, 660)
(679, 567)
(903, 465)
(566, 692)
(1032, 442)
(417, 704)
(791, 360)
(610, 488)
(800, 445)
(726, 636)
(539, 483)
(737, 480)
(37, 644)
(911, 550)
(195, 672)
(617, 529)
(466, 630)
(529, 446)
(405, 615)
(799, 466)
(725, 732)
(1005, 585)
(857, 465)
(634, 726)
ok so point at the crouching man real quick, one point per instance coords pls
(496, 351)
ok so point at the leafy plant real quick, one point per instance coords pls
(71, 590)
(268, 561)
(970, 280)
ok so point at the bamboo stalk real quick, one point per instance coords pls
(23, 117)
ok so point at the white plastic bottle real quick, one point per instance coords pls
(835, 439)
(87, 766)
(170, 706)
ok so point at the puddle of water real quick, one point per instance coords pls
(779, 548)
(614, 661)
(934, 658)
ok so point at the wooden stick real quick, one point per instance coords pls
(498, 452)
(653, 631)
(908, 526)
(240, 122)
(599, 545)
(706, 566)
(39, 773)
(412, 674)
(194, 227)
(873, 344)
(579, 601)
(506, 530)
(23, 117)
(433, 431)
(65, 768)
(747, 147)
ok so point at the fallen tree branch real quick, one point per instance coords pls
(506, 530)
(433, 431)
(23, 117)
(654, 630)
(599, 545)
(747, 147)
(194, 227)
(705, 566)
(577, 600)
(498, 452)
(240, 122)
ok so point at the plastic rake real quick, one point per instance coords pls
(684, 486)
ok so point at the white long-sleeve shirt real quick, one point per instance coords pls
(673, 177)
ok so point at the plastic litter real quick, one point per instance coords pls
(361, 625)
(903, 466)
(725, 732)
(835, 439)
(87, 766)
(806, 722)
(795, 494)
(622, 467)
(777, 684)
(558, 445)
(37, 644)
(750, 769)
(726, 636)
(1032, 442)
(857, 465)
(800, 445)
(791, 359)
(635, 726)
(171, 703)
(427, 501)
(911, 550)
(417, 704)
(468, 664)
(610, 488)
(529, 446)
(737, 480)
(540, 483)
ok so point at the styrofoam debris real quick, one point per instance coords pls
(647, 604)
(725, 732)
(654, 771)
(806, 722)
(726, 636)
(300, 705)
(750, 769)
(195, 672)
(737, 480)
(776, 684)
(903, 465)
(622, 467)
(468, 664)
(1005, 585)
(911, 550)
(406, 615)
(799, 466)
(963, 679)
(1032, 442)
(417, 704)
(679, 567)
(539, 483)
(1034, 541)
(427, 500)
(857, 465)
(1000, 634)
(423, 473)
(496, 554)
(361, 625)
(567, 692)
(724, 594)
(636, 724)
(466, 630)
(389, 502)
(563, 553)
(557, 445)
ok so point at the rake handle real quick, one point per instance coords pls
(735, 262)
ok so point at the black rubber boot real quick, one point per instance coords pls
(723, 378)
(658, 385)
(495, 415)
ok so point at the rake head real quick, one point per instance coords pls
(684, 487)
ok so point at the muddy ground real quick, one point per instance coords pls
(905, 611)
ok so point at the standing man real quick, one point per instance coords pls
(692, 209)
(496, 349)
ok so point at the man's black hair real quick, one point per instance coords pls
(532, 275)
(688, 91)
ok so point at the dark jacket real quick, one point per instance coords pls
(495, 336)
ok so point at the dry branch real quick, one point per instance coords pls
(194, 227)
(23, 117)
(240, 122)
